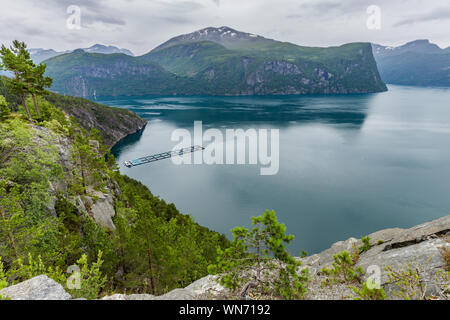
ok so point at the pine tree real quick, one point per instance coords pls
(37, 82)
(146, 243)
(17, 60)
(83, 155)
(257, 259)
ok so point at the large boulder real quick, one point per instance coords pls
(202, 289)
(177, 294)
(419, 247)
(102, 210)
(37, 288)
(424, 258)
(208, 288)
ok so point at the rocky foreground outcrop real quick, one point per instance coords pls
(421, 247)
(37, 288)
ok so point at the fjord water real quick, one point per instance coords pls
(349, 165)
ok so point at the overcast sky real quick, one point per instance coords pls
(140, 25)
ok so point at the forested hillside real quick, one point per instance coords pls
(54, 179)
(63, 202)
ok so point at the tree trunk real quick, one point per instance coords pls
(248, 285)
(152, 283)
(258, 253)
(25, 106)
(36, 106)
(83, 180)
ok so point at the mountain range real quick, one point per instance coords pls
(38, 54)
(219, 61)
(419, 63)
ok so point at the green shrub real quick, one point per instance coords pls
(408, 282)
(368, 292)
(3, 279)
(342, 269)
(366, 244)
(4, 109)
(92, 279)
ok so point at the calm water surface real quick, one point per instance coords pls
(349, 165)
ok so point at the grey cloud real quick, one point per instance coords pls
(142, 24)
(90, 18)
(174, 19)
(181, 6)
(438, 14)
(91, 11)
(321, 8)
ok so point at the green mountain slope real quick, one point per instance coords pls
(89, 74)
(187, 59)
(219, 61)
(418, 63)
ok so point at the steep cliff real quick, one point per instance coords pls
(113, 123)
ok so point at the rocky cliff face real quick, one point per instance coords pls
(421, 247)
(113, 124)
(98, 205)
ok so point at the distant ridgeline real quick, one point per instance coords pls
(418, 63)
(219, 61)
